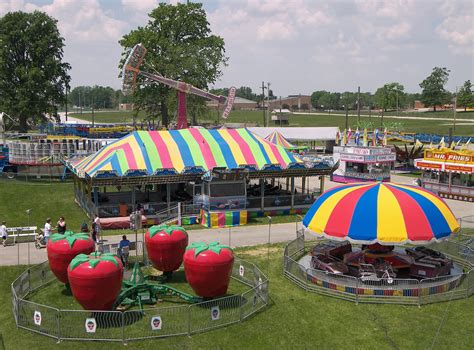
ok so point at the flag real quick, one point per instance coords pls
(365, 139)
(442, 144)
(338, 136)
(457, 143)
(357, 137)
(344, 138)
(431, 145)
(384, 140)
(418, 143)
(466, 145)
(375, 135)
(452, 145)
(349, 134)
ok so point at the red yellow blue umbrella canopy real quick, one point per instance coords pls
(385, 213)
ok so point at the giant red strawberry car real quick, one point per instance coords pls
(165, 246)
(96, 280)
(208, 268)
(62, 248)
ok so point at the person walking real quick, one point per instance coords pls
(4, 233)
(61, 225)
(94, 232)
(123, 251)
(47, 230)
(98, 228)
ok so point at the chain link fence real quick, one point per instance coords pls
(131, 325)
(383, 290)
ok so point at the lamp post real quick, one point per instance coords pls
(28, 213)
(347, 115)
(269, 238)
(455, 107)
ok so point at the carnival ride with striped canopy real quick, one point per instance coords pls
(164, 168)
(278, 139)
(379, 216)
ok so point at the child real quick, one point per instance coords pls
(3, 233)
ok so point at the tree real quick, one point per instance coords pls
(181, 47)
(465, 96)
(33, 76)
(387, 95)
(433, 92)
(316, 97)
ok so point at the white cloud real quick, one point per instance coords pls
(296, 44)
(273, 29)
(457, 26)
(82, 20)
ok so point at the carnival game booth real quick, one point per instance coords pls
(381, 242)
(448, 173)
(361, 164)
(214, 170)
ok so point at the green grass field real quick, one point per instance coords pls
(256, 117)
(55, 199)
(295, 319)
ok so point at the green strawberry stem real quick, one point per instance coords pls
(93, 259)
(70, 236)
(200, 247)
(168, 229)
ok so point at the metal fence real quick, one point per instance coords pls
(382, 290)
(137, 324)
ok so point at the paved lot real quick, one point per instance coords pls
(239, 236)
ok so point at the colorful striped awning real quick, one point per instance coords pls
(278, 139)
(192, 150)
(386, 213)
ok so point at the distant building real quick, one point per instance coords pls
(125, 106)
(421, 105)
(292, 102)
(239, 104)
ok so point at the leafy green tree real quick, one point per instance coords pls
(348, 100)
(181, 47)
(433, 92)
(33, 76)
(465, 96)
(315, 98)
(386, 96)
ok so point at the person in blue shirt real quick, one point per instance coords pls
(124, 254)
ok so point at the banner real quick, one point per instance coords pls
(230, 102)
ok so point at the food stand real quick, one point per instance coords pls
(360, 164)
(448, 173)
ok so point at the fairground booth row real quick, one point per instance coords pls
(226, 175)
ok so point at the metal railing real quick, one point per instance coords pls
(383, 290)
(131, 325)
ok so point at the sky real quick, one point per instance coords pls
(299, 46)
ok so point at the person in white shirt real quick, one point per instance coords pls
(98, 229)
(47, 230)
(3, 233)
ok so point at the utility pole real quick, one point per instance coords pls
(280, 112)
(80, 104)
(263, 102)
(397, 104)
(66, 103)
(358, 104)
(268, 103)
(455, 107)
(92, 106)
(347, 115)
